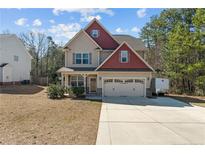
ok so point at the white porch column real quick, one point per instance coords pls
(62, 76)
(66, 80)
(84, 77)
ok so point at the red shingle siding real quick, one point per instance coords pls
(133, 62)
(105, 41)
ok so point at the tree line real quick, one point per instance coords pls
(176, 48)
(48, 56)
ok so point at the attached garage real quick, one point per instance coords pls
(121, 86)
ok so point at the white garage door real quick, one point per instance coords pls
(124, 87)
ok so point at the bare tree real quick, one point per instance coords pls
(37, 44)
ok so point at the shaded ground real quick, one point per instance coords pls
(35, 119)
(194, 100)
(21, 89)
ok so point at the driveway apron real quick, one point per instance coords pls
(139, 120)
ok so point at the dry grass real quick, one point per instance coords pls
(194, 100)
(27, 116)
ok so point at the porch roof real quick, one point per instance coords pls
(126, 69)
(4, 64)
(79, 69)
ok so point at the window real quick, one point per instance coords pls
(16, 58)
(80, 82)
(139, 81)
(95, 33)
(118, 81)
(124, 56)
(108, 81)
(77, 81)
(85, 58)
(73, 81)
(129, 81)
(78, 58)
(82, 58)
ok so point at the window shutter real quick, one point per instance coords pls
(90, 58)
(73, 58)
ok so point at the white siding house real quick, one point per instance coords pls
(15, 60)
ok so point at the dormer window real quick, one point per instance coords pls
(124, 56)
(95, 33)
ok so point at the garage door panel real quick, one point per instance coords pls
(124, 87)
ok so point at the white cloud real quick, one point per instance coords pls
(120, 30)
(65, 30)
(135, 29)
(21, 21)
(141, 13)
(84, 11)
(37, 30)
(89, 18)
(37, 22)
(86, 14)
(52, 21)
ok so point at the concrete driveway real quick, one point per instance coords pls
(135, 120)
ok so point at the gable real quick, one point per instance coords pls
(81, 43)
(135, 62)
(83, 34)
(105, 40)
(12, 45)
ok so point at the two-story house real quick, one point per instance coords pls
(15, 60)
(106, 64)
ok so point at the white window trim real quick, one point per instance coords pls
(86, 58)
(124, 56)
(76, 80)
(82, 58)
(78, 58)
(96, 32)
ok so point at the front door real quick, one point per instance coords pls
(92, 84)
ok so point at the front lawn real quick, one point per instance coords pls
(27, 116)
(194, 100)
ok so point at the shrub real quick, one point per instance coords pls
(67, 90)
(55, 91)
(77, 91)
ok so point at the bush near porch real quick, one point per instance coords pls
(56, 91)
(77, 91)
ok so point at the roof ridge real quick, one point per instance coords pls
(7, 34)
(126, 35)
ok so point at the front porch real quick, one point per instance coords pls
(86, 80)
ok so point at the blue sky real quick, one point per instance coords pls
(62, 24)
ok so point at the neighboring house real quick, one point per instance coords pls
(15, 60)
(106, 64)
